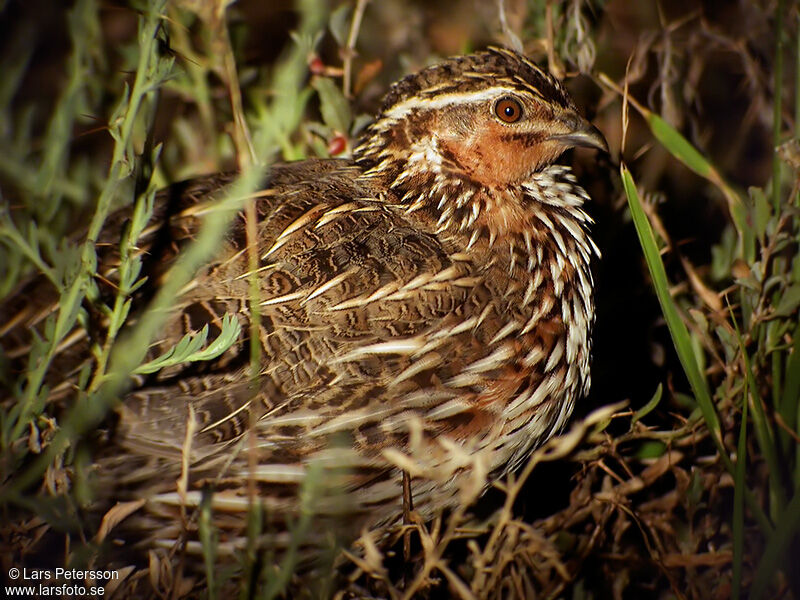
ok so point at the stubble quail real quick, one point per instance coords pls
(422, 305)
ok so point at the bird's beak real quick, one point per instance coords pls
(583, 134)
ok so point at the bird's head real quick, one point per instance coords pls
(490, 119)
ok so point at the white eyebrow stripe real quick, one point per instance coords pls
(437, 102)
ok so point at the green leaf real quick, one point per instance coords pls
(339, 24)
(762, 211)
(679, 146)
(789, 301)
(651, 449)
(723, 255)
(334, 106)
(190, 347)
(647, 408)
(685, 152)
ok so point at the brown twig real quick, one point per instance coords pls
(349, 50)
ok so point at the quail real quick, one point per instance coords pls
(425, 306)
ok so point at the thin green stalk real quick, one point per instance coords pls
(777, 124)
(764, 435)
(797, 84)
(150, 72)
(209, 539)
(740, 484)
(310, 491)
(791, 397)
(776, 360)
(197, 72)
(254, 299)
(251, 566)
(19, 46)
(129, 270)
(797, 98)
(777, 107)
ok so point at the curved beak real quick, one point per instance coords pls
(582, 133)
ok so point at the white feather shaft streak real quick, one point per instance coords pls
(533, 357)
(292, 419)
(446, 274)
(333, 282)
(449, 409)
(466, 380)
(418, 281)
(495, 360)
(285, 298)
(555, 356)
(275, 473)
(227, 417)
(460, 328)
(300, 222)
(426, 362)
(467, 282)
(221, 501)
(354, 419)
(519, 405)
(403, 347)
(359, 301)
(274, 248)
(333, 213)
(507, 330)
(247, 274)
(542, 309)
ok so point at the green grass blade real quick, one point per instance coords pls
(209, 539)
(775, 552)
(680, 334)
(677, 328)
(684, 151)
(650, 406)
(738, 502)
(791, 396)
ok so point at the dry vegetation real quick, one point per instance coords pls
(681, 474)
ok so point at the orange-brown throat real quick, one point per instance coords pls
(496, 158)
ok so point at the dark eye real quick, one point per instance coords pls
(508, 110)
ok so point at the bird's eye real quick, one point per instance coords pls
(508, 110)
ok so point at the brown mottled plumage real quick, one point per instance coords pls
(429, 298)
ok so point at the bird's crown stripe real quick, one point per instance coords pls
(444, 100)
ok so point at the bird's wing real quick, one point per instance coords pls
(361, 317)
